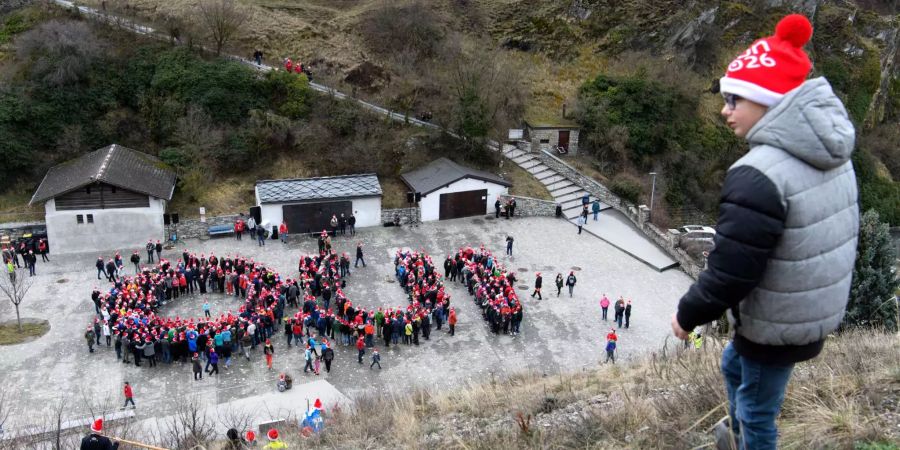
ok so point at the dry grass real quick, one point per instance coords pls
(834, 401)
(523, 183)
(31, 329)
(14, 205)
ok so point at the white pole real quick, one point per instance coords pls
(652, 193)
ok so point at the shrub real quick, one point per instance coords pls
(404, 27)
(627, 188)
(289, 93)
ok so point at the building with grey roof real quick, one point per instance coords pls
(449, 190)
(108, 199)
(306, 205)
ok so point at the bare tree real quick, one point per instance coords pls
(188, 427)
(14, 288)
(222, 19)
(59, 52)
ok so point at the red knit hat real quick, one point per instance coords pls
(272, 434)
(97, 426)
(772, 66)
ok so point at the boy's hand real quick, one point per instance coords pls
(677, 330)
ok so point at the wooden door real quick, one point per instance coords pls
(564, 139)
(463, 204)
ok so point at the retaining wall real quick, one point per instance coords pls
(639, 215)
(530, 207)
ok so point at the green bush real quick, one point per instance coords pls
(627, 189)
(653, 113)
(875, 192)
(289, 93)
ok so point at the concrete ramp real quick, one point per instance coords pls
(613, 227)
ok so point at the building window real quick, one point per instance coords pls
(545, 141)
(80, 219)
(90, 218)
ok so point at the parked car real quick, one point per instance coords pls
(696, 233)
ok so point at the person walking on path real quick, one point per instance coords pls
(359, 256)
(351, 222)
(595, 208)
(509, 244)
(90, 337)
(451, 321)
(327, 357)
(150, 248)
(269, 351)
(620, 311)
(604, 305)
(580, 221)
(376, 359)
(786, 233)
(206, 308)
(129, 396)
(196, 367)
(497, 208)
(101, 268)
(308, 357)
(559, 284)
(610, 351)
(538, 281)
(258, 56)
(570, 282)
(261, 236)
(213, 361)
(628, 314)
(283, 232)
(136, 260)
(361, 348)
(158, 248)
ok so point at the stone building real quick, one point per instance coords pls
(546, 134)
(108, 199)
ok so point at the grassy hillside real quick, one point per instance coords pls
(532, 58)
(847, 398)
(219, 124)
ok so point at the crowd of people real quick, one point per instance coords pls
(428, 300)
(490, 284)
(127, 313)
(27, 251)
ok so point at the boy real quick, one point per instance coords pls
(787, 230)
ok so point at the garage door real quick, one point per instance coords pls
(314, 217)
(463, 204)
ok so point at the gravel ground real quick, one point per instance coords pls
(558, 334)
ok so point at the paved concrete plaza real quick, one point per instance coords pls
(558, 334)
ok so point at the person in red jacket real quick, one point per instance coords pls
(239, 226)
(129, 396)
(283, 230)
(452, 322)
(361, 346)
(288, 65)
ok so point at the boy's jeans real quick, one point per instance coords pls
(755, 395)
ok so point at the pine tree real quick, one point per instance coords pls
(872, 295)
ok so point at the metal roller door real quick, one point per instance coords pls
(463, 204)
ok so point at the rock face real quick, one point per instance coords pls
(9, 5)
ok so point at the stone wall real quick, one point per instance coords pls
(530, 207)
(195, 229)
(551, 135)
(638, 214)
(407, 215)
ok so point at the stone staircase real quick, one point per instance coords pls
(563, 190)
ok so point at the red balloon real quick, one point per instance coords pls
(251, 436)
